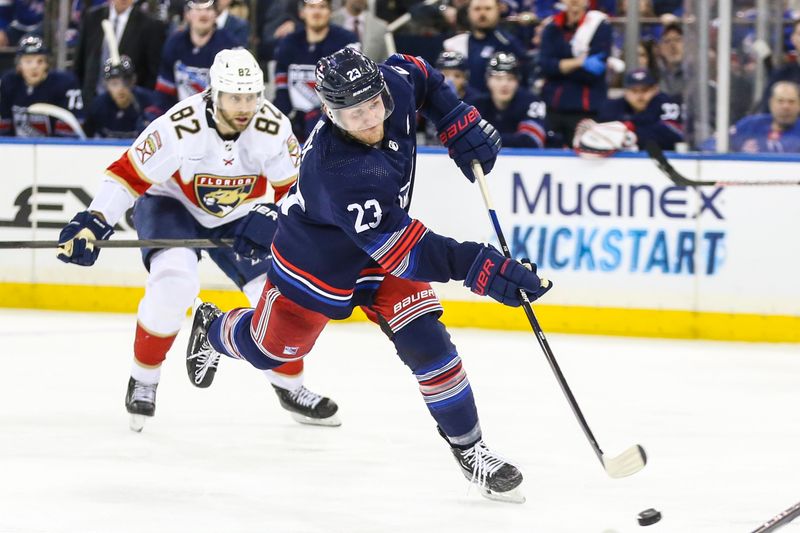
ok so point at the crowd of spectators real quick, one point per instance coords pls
(534, 68)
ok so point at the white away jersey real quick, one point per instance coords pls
(182, 156)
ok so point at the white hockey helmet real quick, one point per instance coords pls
(235, 71)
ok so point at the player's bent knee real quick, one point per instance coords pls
(423, 341)
(171, 288)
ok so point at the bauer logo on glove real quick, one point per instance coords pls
(494, 275)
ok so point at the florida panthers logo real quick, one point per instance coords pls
(219, 195)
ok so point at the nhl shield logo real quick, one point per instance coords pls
(219, 195)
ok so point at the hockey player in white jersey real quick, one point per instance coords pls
(207, 168)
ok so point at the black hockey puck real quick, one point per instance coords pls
(649, 517)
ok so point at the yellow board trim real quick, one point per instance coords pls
(553, 318)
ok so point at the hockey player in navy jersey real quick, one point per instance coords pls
(516, 113)
(33, 82)
(188, 54)
(124, 109)
(206, 169)
(345, 239)
(296, 56)
(650, 114)
(454, 68)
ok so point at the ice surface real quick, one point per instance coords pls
(719, 421)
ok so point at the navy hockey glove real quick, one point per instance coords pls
(469, 138)
(75, 240)
(492, 274)
(254, 234)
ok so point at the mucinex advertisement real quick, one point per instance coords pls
(609, 232)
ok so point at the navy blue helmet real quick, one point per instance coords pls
(347, 78)
(502, 63)
(124, 69)
(451, 60)
(31, 45)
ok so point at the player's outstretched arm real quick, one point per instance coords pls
(405, 248)
(460, 127)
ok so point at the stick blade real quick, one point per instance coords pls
(627, 463)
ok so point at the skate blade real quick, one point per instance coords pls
(136, 422)
(512, 496)
(331, 421)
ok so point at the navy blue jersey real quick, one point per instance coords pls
(345, 225)
(428, 128)
(296, 60)
(579, 90)
(479, 51)
(660, 121)
(521, 123)
(59, 88)
(22, 15)
(105, 119)
(184, 67)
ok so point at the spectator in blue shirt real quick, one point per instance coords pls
(776, 131)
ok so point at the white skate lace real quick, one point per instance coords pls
(207, 358)
(305, 397)
(484, 462)
(143, 392)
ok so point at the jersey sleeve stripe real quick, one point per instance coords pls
(398, 245)
(163, 86)
(532, 129)
(124, 183)
(420, 65)
(281, 190)
(123, 169)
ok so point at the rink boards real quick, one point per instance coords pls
(629, 253)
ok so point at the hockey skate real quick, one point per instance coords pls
(496, 478)
(140, 401)
(201, 358)
(308, 407)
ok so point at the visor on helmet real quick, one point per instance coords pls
(364, 115)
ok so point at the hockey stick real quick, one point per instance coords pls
(123, 243)
(657, 155)
(628, 462)
(111, 41)
(779, 520)
(58, 113)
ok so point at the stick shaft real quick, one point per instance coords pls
(111, 41)
(657, 155)
(526, 305)
(780, 520)
(123, 243)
